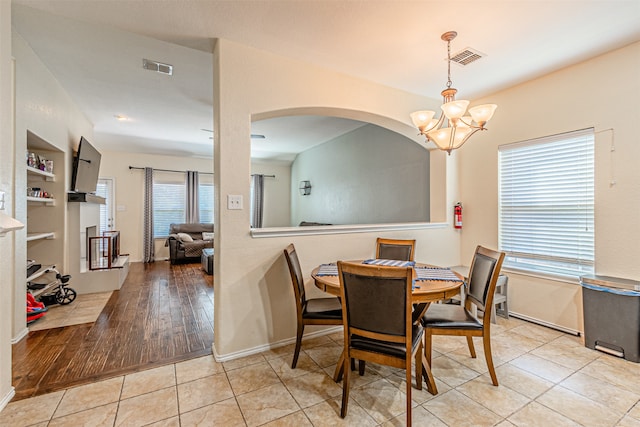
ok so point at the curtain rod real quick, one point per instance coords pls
(208, 173)
(167, 170)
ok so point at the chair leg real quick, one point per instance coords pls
(493, 313)
(345, 387)
(427, 347)
(426, 364)
(419, 358)
(337, 375)
(408, 379)
(428, 376)
(472, 349)
(361, 366)
(487, 355)
(296, 352)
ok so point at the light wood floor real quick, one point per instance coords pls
(162, 314)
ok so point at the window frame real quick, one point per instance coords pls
(545, 187)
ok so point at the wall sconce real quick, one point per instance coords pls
(305, 188)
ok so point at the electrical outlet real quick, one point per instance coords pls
(234, 202)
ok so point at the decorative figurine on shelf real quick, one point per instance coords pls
(32, 160)
(42, 163)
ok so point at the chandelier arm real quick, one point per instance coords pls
(435, 126)
(468, 136)
(471, 125)
(452, 139)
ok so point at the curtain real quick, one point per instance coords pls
(258, 200)
(148, 242)
(192, 208)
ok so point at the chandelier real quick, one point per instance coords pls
(453, 128)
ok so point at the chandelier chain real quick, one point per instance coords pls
(448, 64)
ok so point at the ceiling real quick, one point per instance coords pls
(95, 50)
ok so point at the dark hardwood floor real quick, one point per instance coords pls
(162, 314)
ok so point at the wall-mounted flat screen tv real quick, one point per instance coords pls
(86, 168)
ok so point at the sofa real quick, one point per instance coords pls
(186, 242)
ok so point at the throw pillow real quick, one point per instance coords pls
(207, 236)
(184, 237)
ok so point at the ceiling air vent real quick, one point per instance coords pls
(467, 56)
(157, 66)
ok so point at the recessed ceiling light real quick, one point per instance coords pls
(121, 118)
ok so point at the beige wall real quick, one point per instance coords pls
(7, 243)
(253, 295)
(367, 176)
(602, 93)
(277, 192)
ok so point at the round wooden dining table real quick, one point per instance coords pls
(425, 290)
(424, 293)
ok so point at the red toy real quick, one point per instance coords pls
(35, 309)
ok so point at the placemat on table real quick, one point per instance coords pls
(435, 273)
(327, 270)
(389, 262)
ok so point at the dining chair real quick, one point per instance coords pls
(316, 311)
(376, 308)
(459, 320)
(500, 298)
(402, 250)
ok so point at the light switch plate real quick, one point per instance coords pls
(234, 202)
(2, 200)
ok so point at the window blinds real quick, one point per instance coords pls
(103, 189)
(546, 204)
(168, 202)
(169, 207)
(206, 199)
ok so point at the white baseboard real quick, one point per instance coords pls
(270, 346)
(23, 333)
(545, 323)
(7, 398)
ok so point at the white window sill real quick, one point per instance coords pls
(341, 229)
(542, 275)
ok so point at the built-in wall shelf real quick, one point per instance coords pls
(40, 236)
(46, 201)
(48, 176)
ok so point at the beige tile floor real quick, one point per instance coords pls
(547, 378)
(84, 309)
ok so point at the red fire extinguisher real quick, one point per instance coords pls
(457, 215)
